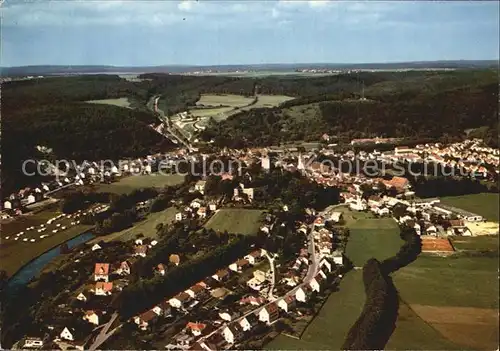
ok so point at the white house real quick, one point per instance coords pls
(200, 186)
(178, 300)
(96, 247)
(91, 317)
(269, 313)
(212, 206)
(232, 333)
(325, 263)
(32, 343)
(31, 199)
(66, 334)
(195, 203)
(301, 295)
(81, 297)
(287, 303)
(245, 324)
(7, 205)
(178, 216)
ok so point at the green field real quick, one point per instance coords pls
(460, 294)
(485, 204)
(268, 101)
(452, 281)
(127, 184)
(477, 243)
(237, 221)
(120, 102)
(146, 227)
(15, 254)
(230, 100)
(370, 237)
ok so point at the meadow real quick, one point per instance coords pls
(237, 221)
(127, 184)
(230, 100)
(16, 253)
(453, 300)
(120, 102)
(146, 227)
(484, 204)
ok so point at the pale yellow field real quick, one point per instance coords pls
(224, 100)
(121, 102)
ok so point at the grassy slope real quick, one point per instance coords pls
(127, 184)
(485, 204)
(147, 227)
(243, 221)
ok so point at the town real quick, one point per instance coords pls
(236, 304)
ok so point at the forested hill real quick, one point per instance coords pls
(432, 105)
(53, 111)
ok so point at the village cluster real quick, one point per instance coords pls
(266, 299)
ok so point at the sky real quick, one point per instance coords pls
(204, 32)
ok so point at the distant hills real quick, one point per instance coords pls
(89, 69)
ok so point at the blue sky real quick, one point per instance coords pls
(147, 33)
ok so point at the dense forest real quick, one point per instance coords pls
(435, 107)
(52, 112)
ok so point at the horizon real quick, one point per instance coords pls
(214, 33)
(259, 64)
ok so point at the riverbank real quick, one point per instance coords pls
(34, 266)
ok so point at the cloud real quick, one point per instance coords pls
(186, 5)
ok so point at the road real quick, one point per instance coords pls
(166, 123)
(103, 334)
(270, 296)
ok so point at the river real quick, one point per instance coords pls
(32, 269)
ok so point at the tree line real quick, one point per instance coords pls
(374, 326)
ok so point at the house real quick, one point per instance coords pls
(81, 297)
(195, 203)
(233, 333)
(226, 316)
(212, 206)
(269, 313)
(221, 275)
(178, 216)
(175, 259)
(96, 247)
(239, 265)
(254, 256)
(326, 264)
(196, 328)
(202, 212)
(302, 294)
(338, 258)
(91, 317)
(178, 300)
(319, 222)
(141, 250)
(101, 272)
(318, 281)
(103, 288)
(252, 300)
(196, 291)
(7, 205)
(336, 217)
(67, 334)
(256, 282)
(124, 268)
(245, 323)
(145, 319)
(287, 303)
(161, 269)
(162, 309)
(32, 343)
(200, 186)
